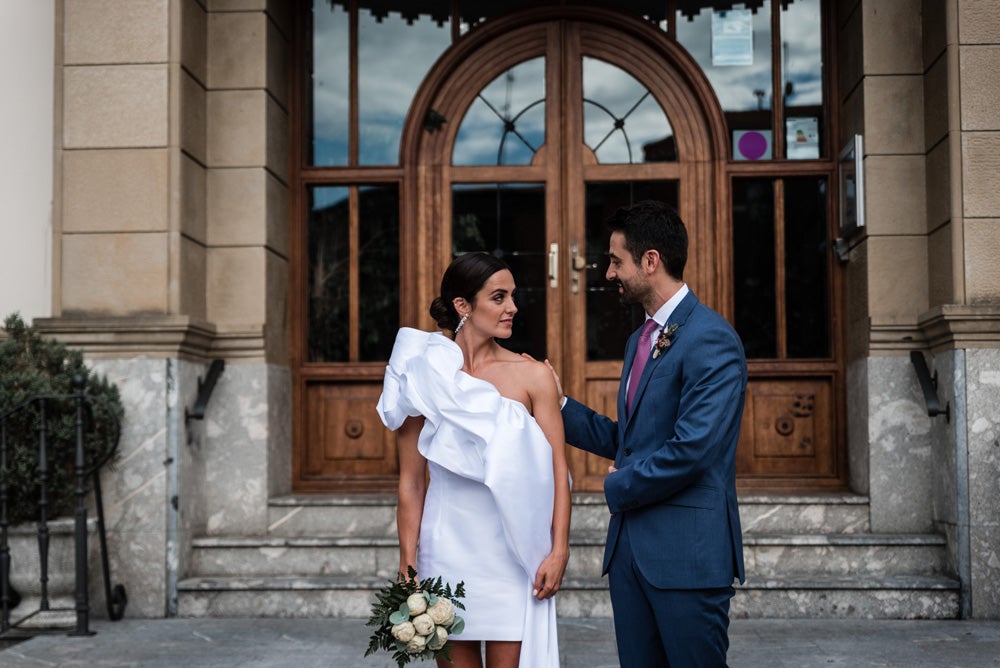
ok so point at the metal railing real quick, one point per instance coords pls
(115, 595)
(928, 385)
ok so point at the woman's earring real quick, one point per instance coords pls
(461, 323)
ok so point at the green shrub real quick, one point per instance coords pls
(31, 365)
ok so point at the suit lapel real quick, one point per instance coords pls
(678, 317)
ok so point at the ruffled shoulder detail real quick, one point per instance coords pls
(407, 370)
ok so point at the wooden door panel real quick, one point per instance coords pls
(589, 470)
(787, 428)
(345, 436)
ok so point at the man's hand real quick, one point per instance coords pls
(611, 469)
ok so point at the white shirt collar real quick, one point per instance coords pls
(663, 314)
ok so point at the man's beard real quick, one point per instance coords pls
(628, 295)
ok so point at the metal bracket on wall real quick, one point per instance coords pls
(928, 384)
(205, 388)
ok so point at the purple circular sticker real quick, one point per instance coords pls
(753, 145)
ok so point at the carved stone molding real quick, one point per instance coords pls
(153, 336)
(953, 326)
(944, 327)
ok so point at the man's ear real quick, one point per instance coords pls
(650, 261)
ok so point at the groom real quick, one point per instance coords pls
(674, 545)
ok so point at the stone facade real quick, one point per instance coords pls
(171, 249)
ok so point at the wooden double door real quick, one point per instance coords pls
(522, 141)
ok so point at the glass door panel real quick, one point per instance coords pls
(508, 221)
(609, 322)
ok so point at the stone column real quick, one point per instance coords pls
(171, 251)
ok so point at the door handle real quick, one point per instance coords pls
(579, 265)
(553, 265)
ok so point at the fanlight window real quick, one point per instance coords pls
(622, 122)
(505, 125)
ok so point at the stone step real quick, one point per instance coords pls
(828, 513)
(765, 555)
(375, 514)
(860, 597)
(332, 515)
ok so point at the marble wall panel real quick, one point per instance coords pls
(983, 396)
(857, 426)
(279, 408)
(984, 587)
(943, 456)
(983, 423)
(135, 493)
(900, 442)
(234, 452)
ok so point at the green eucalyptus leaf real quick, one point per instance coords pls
(457, 626)
(398, 617)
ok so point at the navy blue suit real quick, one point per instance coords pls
(674, 543)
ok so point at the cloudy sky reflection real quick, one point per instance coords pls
(394, 57)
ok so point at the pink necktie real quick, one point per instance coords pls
(642, 353)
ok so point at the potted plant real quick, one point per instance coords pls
(32, 366)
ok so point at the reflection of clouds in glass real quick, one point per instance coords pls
(618, 93)
(330, 84)
(506, 97)
(393, 58)
(801, 37)
(734, 85)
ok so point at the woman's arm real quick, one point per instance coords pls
(412, 489)
(545, 399)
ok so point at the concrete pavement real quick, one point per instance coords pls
(584, 643)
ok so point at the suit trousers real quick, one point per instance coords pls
(665, 628)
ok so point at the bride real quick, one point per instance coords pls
(484, 422)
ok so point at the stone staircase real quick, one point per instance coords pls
(806, 557)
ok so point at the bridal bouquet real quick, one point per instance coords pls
(414, 619)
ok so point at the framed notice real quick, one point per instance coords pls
(852, 187)
(732, 37)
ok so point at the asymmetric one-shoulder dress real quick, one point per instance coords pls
(487, 515)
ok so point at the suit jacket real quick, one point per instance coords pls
(675, 487)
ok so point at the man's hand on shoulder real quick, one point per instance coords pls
(555, 376)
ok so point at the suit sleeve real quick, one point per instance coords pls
(588, 430)
(708, 424)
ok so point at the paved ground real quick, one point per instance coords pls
(304, 643)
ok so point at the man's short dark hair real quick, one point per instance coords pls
(653, 225)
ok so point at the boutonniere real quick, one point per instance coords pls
(665, 339)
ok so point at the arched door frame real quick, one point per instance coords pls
(696, 116)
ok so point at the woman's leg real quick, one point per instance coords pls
(464, 654)
(503, 653)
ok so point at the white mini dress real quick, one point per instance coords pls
(487, 516)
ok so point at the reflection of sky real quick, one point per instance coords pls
(801, 29)
(734, 84)
(393, 58)
(508, 95)
(330, 84)
(618, 92)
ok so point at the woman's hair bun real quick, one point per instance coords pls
(444, 314)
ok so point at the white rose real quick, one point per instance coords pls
(404, 632)
(416, 644)
(423, 624)
(416, 603)
(438, 638)
(442, 612)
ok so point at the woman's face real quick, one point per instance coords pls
(493, 308)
